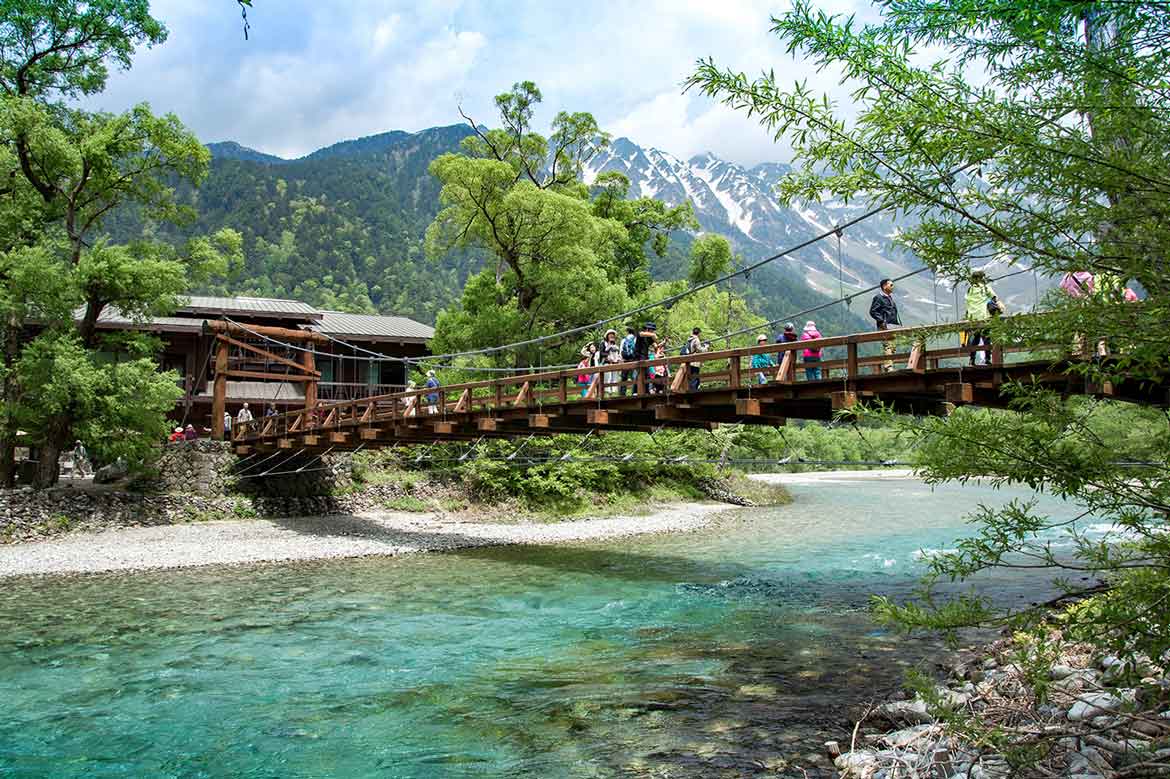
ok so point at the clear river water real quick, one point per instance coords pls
(734, 651)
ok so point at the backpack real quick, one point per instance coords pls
(628, 347)
(686, 348)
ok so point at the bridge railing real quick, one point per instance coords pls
(725, 368)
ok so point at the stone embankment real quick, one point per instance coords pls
(201, 480)
(994, 718)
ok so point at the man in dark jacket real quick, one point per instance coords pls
(884, 312)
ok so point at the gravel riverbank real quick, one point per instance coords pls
(316, 538)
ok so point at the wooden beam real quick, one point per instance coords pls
(667, 413)
(219, 392)
(597, 416)
(338, 438)
(524, 396)
(368, 433)
(538, 420)
(311, 440)
(747, 407)
(915, 361)
(960, 392)
(444, 428)
(268, 355)
(486, 424)
(268, 376)
(785, 373)
(284, 443)
(679, 382)
(310, 386)
(282, 333)
(842, 400)
(464, 403)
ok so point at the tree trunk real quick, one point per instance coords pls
(48, 468)
(58, 431)
(8, 424)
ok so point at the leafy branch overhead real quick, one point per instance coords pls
(1039, 137)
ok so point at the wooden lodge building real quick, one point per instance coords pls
(210, 332)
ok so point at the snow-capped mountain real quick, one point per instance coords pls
(742, 205)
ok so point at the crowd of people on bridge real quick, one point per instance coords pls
(644, 345)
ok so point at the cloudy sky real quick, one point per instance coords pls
(313, 73)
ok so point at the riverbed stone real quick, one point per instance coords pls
(1094, 704)
(906, 712)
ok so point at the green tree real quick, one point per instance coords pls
(558, 257)
(710, 258)
(1058, 160)
(65, 171)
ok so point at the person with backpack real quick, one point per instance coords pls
(627, 351)
(982, 304)
(659, 374)
(694, 345)
(811, 356)
(762, 361)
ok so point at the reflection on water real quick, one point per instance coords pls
(732, 652)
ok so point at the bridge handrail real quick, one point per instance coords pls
(411, 400)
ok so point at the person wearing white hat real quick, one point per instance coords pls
(762, 361)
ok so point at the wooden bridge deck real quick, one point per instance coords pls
(554, 402)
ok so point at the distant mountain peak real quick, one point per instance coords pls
(230, 150)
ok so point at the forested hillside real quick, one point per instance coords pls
(343, 228)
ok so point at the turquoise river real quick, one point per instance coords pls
(734, 651)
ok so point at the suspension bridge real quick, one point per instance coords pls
(903, 375)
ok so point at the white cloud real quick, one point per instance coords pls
(315, 73)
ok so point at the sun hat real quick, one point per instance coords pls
(761, 337)
(178, 429)
(789, 326)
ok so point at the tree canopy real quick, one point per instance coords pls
(1054, 156)
(65, 170)
(561, 254)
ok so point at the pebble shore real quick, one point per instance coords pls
(318, 538)
(1097, 718)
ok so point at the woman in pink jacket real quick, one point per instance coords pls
(811, 356)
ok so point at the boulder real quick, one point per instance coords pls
(1095, 704)
(905, 712)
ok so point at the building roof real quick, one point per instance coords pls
(113, 319)
(247, 306)
(366, 327)
(372, 327)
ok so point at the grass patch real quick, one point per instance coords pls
(758, 492)
(406, 503)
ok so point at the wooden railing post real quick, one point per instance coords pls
(641, 379)
(735, 379)
(310, 369)
(851, 360)
(219, 393)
